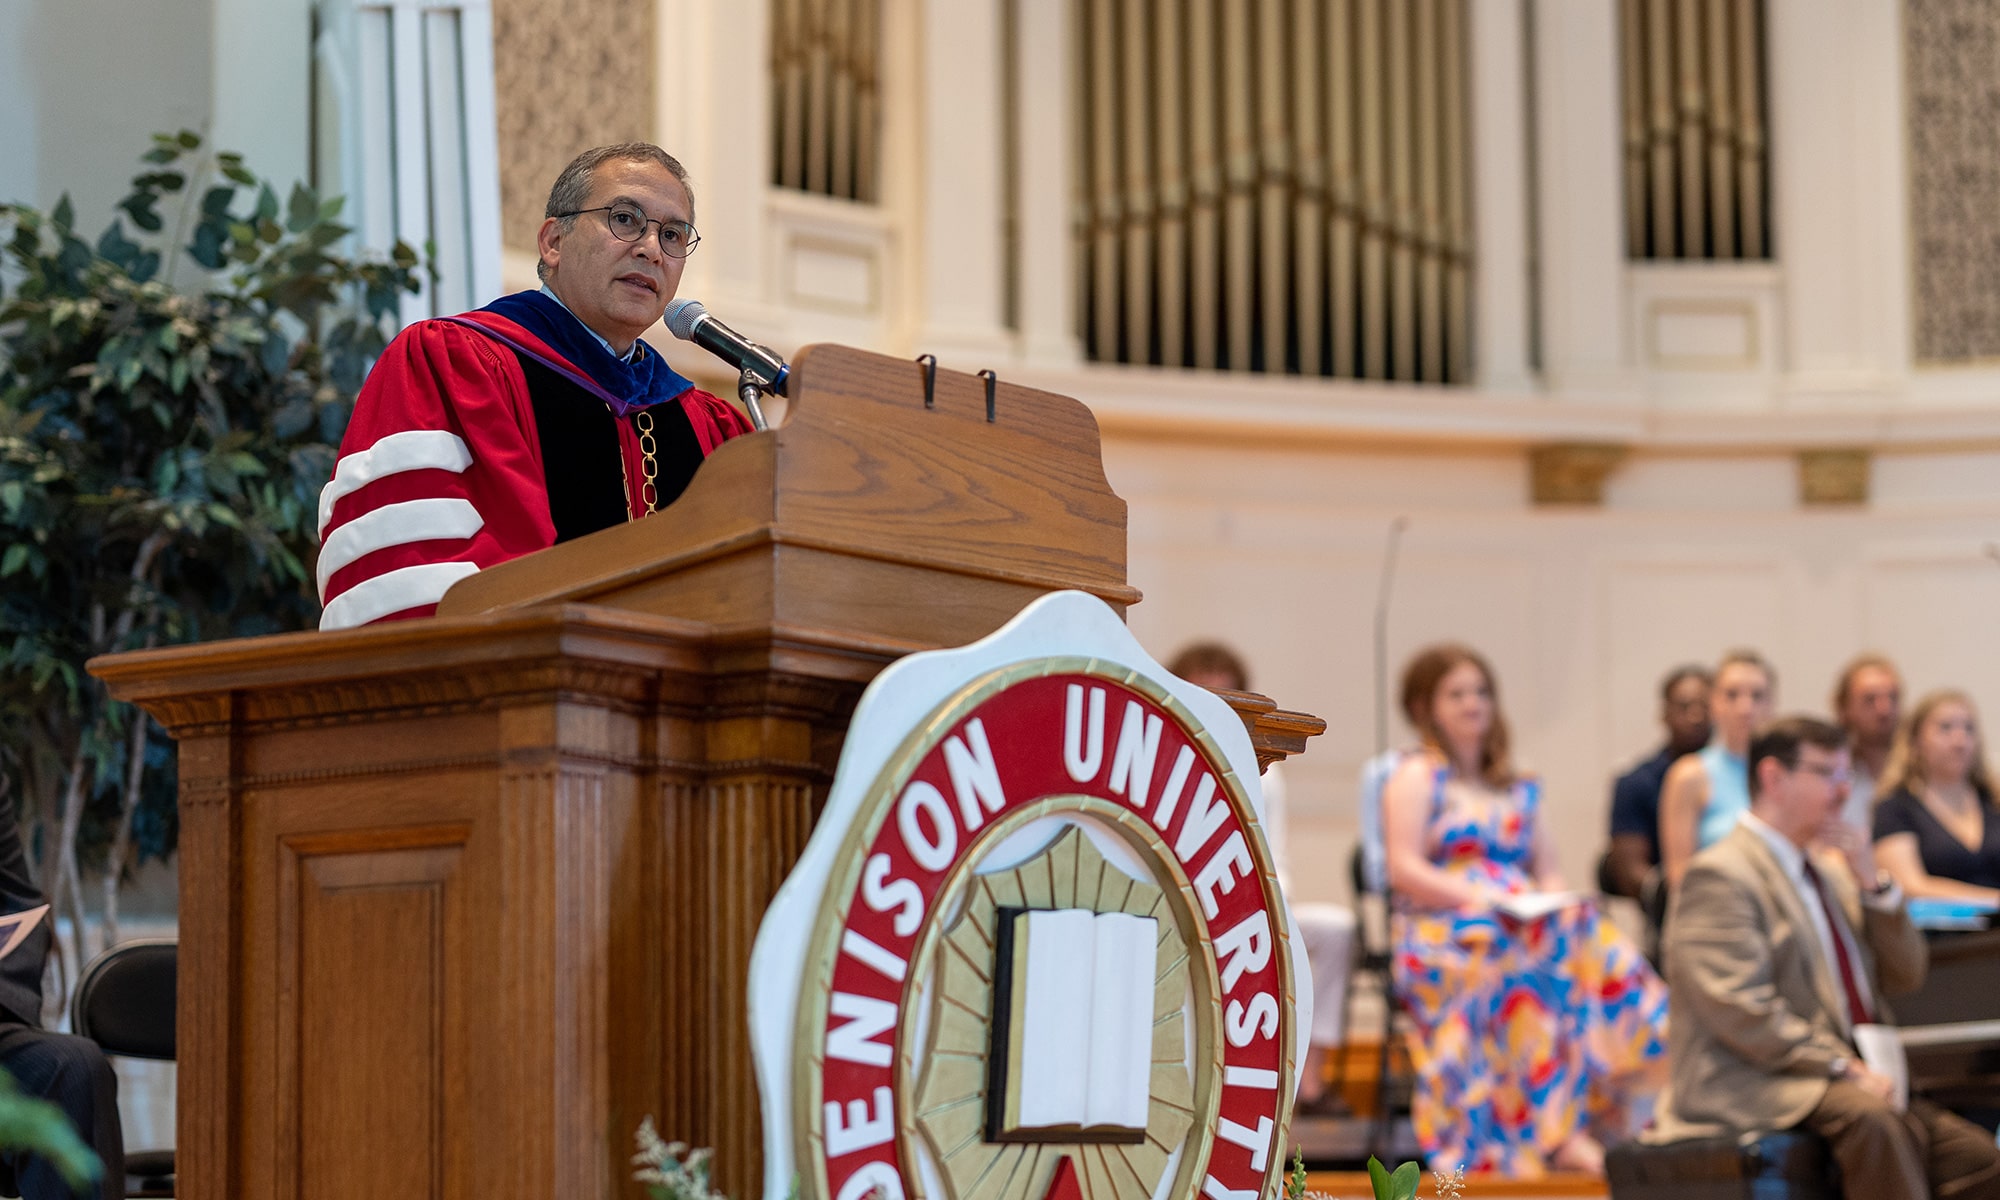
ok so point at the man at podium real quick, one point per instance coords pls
(539, 418)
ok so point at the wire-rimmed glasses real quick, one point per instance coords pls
(628, 223)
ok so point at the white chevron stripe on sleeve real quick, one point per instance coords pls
(396, 525)
(392, 592)
(410, 450)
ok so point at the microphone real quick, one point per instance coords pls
(690, 322)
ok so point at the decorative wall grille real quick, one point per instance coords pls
(1275, 186)
(1952, 65)
(826, 110)
(555, 62)
(404, 128)
(1697, 159)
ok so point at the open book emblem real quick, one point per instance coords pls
(1072, 1050)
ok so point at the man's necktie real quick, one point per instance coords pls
(1857, 1008)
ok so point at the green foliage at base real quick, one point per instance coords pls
(1402, 1185)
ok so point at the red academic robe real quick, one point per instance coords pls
(441, 473)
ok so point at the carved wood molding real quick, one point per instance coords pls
(1572, 472)
(721, 773)
(637, 690)
(1832, 477)
(430, 693)
(192, 716)
(415, 766)
(803, 697)
(203, 791)
(1275, 733)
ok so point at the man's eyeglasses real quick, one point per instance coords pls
(1832, 774)
(628, 224)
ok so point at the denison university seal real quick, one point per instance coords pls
(1035, 948)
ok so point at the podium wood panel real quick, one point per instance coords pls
(464, 899)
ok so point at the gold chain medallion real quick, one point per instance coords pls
(649, 491)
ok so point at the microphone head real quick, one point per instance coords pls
(682, 316)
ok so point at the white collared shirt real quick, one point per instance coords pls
(630, 352)
(1791, 860)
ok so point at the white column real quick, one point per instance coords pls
(959, 252)
(1501, 235)
(19, 140)
(1580, 201)
(1045, 258)
(262, 86)
(1839, 209)
(713, 93)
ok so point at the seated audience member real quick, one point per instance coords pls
(1539, 1036)
(1773, 961)
(1328, 929)
(1705, 793)
(69, 1071)
(1868, 703)
(1936, 828)
(1635, 798)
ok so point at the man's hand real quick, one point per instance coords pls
(1854, 846)
(1874, 1083)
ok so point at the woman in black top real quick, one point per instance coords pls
(1936, 827)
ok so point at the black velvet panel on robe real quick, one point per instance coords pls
(580, 453)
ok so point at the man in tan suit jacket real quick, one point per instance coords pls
(1772, 960)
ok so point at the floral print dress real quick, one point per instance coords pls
(1525, 1031)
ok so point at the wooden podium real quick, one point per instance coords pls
(464, 899)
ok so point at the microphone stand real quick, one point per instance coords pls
(750, 389)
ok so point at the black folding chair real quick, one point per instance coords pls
(125, 1003)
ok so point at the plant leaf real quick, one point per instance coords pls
(139, 206)
(301, 210)
(1404, 1182)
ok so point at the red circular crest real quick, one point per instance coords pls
(1024, 752)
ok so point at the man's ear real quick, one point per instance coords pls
(548, 242)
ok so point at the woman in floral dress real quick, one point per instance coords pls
(1538, 1037)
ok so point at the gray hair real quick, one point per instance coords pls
(572, 188)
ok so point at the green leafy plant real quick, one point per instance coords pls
(1402, 1185)
(1295, 1179)
(169, 404)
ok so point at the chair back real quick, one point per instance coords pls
(1372, 863)
(125, 999)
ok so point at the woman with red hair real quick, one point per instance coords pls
(1540, 1031)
